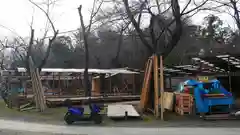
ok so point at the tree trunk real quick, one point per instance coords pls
(86, 77)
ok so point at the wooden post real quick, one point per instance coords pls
(161, 87)
(230, 83)
(59, 84)
(229, 76)
(110, 83)
(53, 81)
(170, 82)
(133, 84)
(156, 86)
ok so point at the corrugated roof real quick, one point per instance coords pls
(221, 63)
(98, 71)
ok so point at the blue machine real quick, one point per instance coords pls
(77, 114)
(204, 100)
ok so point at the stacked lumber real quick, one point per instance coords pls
(37, 87)
(184, 103)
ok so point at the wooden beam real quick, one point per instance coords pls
(146, 82)
(162, 87)
(110, 83)
(156, 86)
(59, 84)
(133, 84)
(229, 76)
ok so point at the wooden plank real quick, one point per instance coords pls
(37, 87)
(156, 86)
(134, 84)
(145, 89)
(118, 110)
(95, 86)
(41, 91)
(162, 87)
(168, 100)
(95, 98)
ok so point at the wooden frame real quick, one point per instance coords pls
(152, 65)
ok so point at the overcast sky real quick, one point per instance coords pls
(16, 15)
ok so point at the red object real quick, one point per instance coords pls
(186, 90)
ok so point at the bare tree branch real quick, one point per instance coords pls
(196, 8)
(46, 14)
(94, 13)
(14, 32)
(189, 1)
(136, 25)
(51, 40)
(227, 6)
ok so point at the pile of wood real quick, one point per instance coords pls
(151, 76)
(37, 87)
(184, 103)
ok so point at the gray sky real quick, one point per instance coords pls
(16, 15)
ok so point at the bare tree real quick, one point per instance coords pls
(86, 31)
(230, 7)
(163, 34)
(115, 60)
(23, 50)
(48, 4)
(26, 48)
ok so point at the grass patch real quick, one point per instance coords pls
(50, 115)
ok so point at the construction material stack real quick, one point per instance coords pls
(184, 103)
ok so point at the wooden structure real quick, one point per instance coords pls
(115, 84)
(59, 84)
(184, 103)
(225, 67)
(152, 74)
(220, 66)
(161, 87)
(37, 87)
(54, 101)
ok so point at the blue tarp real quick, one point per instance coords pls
(203, 103)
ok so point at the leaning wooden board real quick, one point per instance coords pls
(146, 82)
(168, 100)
